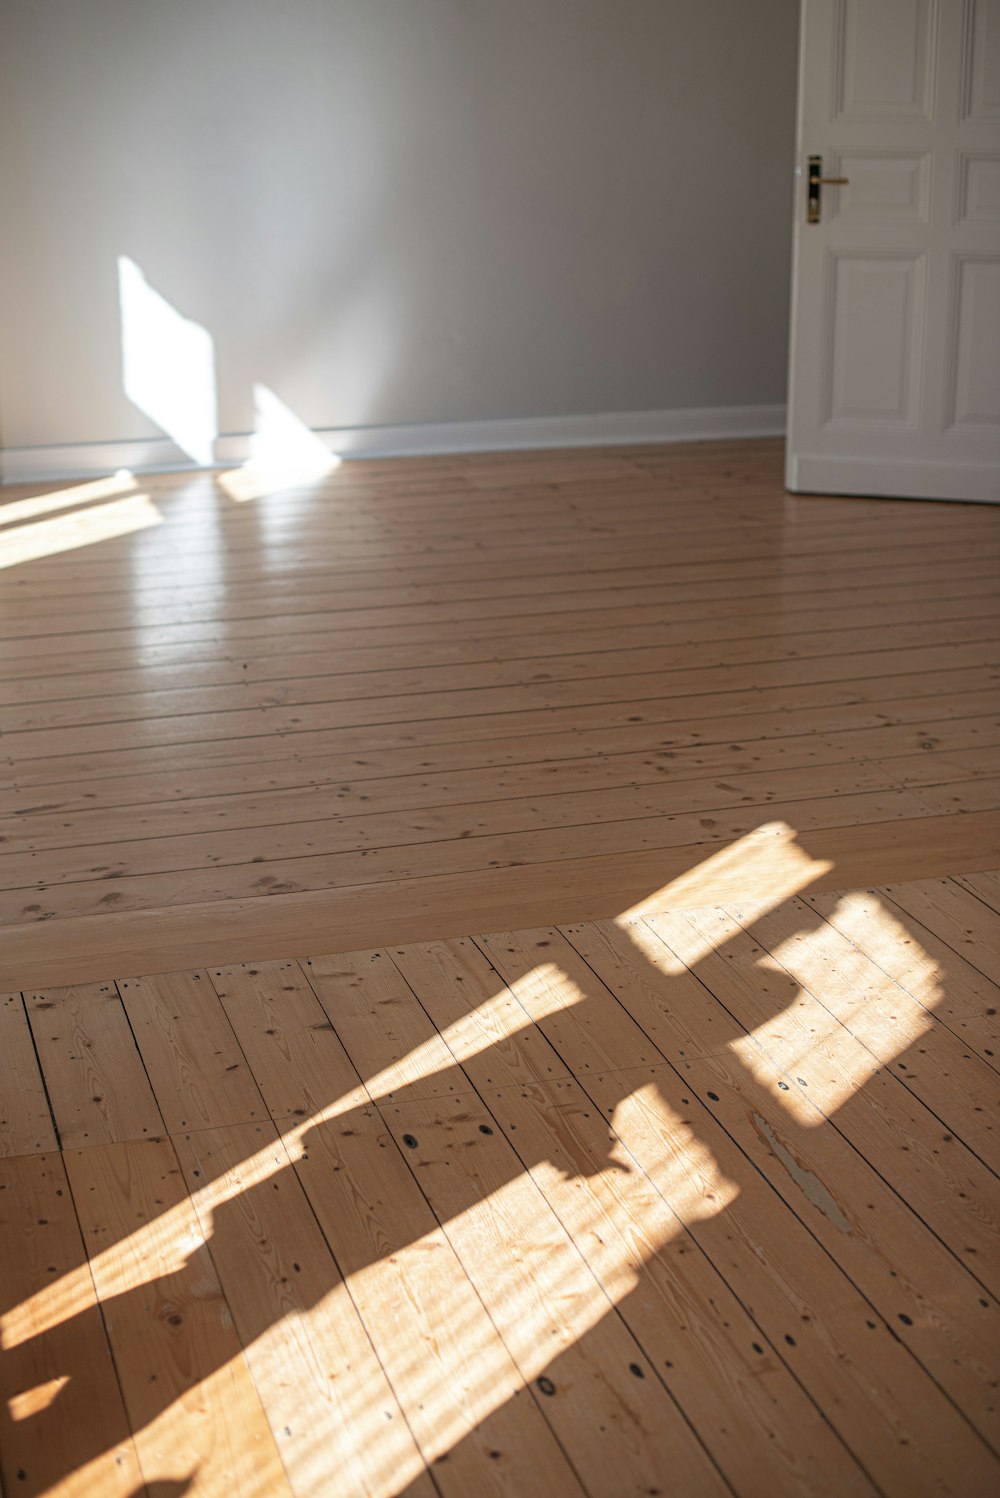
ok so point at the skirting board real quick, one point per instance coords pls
(965, 482)
(25, 465)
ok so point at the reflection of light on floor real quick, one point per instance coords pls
(866, 922)
(685, 1172)
(436, 1323)
(207, 556)
(547, 1294)
(865, 917)
(46, 538)
(69, 1296)
(284, 452)
(821, 1037)
(768, 858)
(212, 1472)
(837, 1067)
(179, 1235)
(476, 1032)
(546, 990)
(168, 365)
(17, 510)
(375, 1452)
(22, 1406)
(369, 1450)
(858, 1007)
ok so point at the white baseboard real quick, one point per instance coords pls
(24, 465)
(969, 482)
(609, 429)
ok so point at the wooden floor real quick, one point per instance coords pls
(680, 1180)
(472, 691)
(702, 1202)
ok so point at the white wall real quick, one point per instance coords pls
(397, 211)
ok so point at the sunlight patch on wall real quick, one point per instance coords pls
(168, 365)
(106, 522)
(18, 510)
(284, 452)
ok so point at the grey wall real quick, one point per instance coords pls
(398, 210)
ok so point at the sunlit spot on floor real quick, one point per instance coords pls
(768, 858)
(168, 365)
(450, 1327)
(865, 1002)
(546, 990)
(32, 1401)
(454, 1354)
(284, 452)
(871, 926)
(499, 1018)
(17, 510)
(684, 1170)
(65, 1298)
(372, 1450)
(104, 522)
(179, 1235)
(213, 1473)
(835, 1066)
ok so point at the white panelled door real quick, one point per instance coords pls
(894, 379)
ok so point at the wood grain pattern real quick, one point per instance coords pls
(439, 674)
(296, 1058)
(98, 1085)
(654, 1102)
(478, 1429)
(196, 1067)
(333, 1414)
(25, 1120)
(683, 1171)
(189, 1395)
(967, 924)
(917, 960)
(733, 1388)
(816, 1169)
(63, 1427)
(603, 1398)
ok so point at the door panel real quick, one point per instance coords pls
(884, 58)
(976, 386)
(979, 193)
(894, 381)
(875, 307)
(882, 186)
(981, 91)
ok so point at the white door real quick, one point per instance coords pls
(894, 378)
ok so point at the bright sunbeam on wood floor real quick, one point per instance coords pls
(678, 1171)
(618, 1166)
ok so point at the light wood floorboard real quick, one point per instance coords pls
(682, 1174)
(700, 1200)
(493, 688)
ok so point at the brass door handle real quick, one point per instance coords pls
(814, 181)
